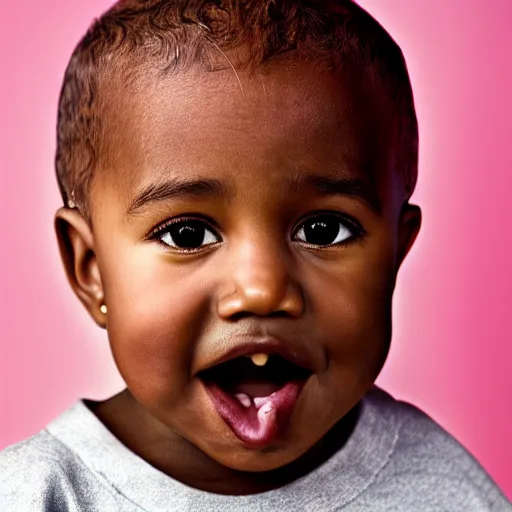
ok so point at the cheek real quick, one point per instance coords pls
(154, 315)
(353, 305)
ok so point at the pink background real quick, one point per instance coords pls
(452, 352)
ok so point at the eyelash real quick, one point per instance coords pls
(351, 224)
(358, 232)
(158, 232)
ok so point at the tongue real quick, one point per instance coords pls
(265, 420)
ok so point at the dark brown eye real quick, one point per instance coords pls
(188, 235)
(324, 230)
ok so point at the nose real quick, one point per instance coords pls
(258, 282)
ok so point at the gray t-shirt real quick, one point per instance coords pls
(396, 459)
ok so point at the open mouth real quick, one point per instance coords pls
(256, 394)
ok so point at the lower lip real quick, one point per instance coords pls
(257, 427)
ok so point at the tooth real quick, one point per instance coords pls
(259, 359)
(244, 399)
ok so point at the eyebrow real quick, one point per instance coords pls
(326, 185)
(195, 188)
(173, 187)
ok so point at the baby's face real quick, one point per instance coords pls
(266, 222)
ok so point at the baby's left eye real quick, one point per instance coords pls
(325, 230)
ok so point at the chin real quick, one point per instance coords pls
(257, 461)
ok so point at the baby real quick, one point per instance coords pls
(236, 178)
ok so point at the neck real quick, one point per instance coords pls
(180, 459)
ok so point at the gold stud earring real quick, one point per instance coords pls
(72, 200)
(103, 309)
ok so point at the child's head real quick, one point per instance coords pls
(239, 175)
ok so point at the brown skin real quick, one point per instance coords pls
(171, 314)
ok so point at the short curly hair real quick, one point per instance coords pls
(175, 35)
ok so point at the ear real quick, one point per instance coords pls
(408, 228)
(76, 245)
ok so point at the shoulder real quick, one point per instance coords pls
(32, 473)
(42, 474)
(428, 467)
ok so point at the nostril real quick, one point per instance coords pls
(279, 314)
(240, 315)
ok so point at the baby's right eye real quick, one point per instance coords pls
(187, 235)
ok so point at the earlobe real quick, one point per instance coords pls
(76, 245)
(408, 228)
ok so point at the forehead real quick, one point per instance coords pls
(284, 118)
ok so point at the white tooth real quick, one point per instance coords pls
(259, 359)
(244, 399)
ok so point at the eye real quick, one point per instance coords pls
(326, 230)
(187, 235)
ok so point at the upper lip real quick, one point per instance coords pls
(266, 345)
